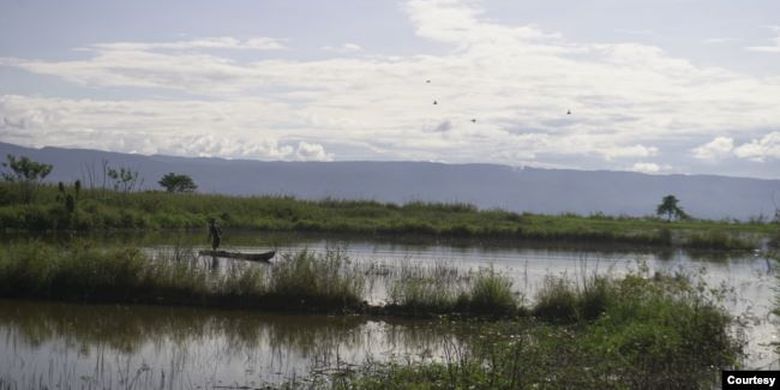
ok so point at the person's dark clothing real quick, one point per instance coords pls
(215, 234)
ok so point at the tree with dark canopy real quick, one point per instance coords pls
(173, 182)
(669, 207)
(26, 173)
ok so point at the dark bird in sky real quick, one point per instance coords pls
(474, 120)
(428, 81)
(568, 112)
(435, 102)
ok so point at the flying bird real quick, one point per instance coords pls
(428, 81)
(474, 120)
(435, 102)
(568, 112)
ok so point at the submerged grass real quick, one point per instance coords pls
(101, 209)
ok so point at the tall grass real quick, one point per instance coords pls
(301, 281)
(417, 289)
(443, 290)
(490, 293)
(99, 209)
(327, 280)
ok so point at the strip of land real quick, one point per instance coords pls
(98, 210)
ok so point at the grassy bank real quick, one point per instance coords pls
(95, 210)
(632, 333)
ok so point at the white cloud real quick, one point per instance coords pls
(629, 151)
(757, 150)
(774, 48)
(768, 147)
(718, 148)
(649, 168)
(312, 152)
(518, 82)
(344, 48)
(715, 41)
(255, 43)
(636, 32)
(183, 128)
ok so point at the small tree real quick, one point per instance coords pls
(125, 179)
(669, 207)
(27, 173)
(177, 183)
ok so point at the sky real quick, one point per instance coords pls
(659, 87)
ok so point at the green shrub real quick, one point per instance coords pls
(556, 301)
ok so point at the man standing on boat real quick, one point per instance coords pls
(215, 233)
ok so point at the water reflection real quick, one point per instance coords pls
(143, 347)
(392, 244)
(140, 346)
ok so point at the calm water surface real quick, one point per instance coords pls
(96, 346)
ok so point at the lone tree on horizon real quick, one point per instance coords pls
(27, 173)
(173, 182)
(669, 207)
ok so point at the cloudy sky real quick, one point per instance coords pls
(656, 86)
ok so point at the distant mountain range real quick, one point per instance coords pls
(549, 191)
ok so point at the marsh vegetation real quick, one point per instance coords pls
(100, 209)
(592, 330)
(489, 322)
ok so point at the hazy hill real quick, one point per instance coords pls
(487, 186)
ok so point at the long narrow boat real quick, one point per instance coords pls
(264, 257)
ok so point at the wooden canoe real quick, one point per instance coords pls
(264, 257)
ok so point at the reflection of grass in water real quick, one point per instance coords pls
(776, 310)
(125, 328)
(100, 331)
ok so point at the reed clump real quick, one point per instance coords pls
(324, 280)
(443, 290)
(490, 293)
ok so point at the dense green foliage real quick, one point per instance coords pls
(669, 207)
(25, 174)
(173, 182)
(101, 209)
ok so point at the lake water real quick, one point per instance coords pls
(97, 346)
